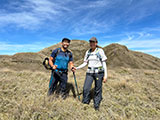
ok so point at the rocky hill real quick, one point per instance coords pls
(118, 56)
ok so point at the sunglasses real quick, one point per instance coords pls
(92, 41)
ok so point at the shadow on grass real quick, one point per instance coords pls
(70, 89)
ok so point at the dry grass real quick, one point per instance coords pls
(129, 94)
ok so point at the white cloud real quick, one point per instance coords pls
(150, 50)
(89, 27)
(140, 40)
(9, 48)
(109, 13)
(24, 20)
(90, 17)
(31, 14)
(94, 4)
(138, 10)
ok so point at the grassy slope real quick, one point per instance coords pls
(128, 94)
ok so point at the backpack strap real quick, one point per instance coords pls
(89, 53)
(97, 54)
(69, 53)
(58, 51)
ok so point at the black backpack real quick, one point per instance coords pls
(46, 60)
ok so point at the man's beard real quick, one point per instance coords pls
(65, 47)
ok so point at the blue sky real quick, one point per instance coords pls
(31, 25)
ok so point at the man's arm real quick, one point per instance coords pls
(51, 63)
(71, 65)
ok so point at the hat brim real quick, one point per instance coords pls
(92, 41)
(67, 40)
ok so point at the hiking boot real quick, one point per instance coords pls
(49, 93)
(96, 108)
(85, 106)
(64, 97)
(85, 102)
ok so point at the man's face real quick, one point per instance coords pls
(65, 44)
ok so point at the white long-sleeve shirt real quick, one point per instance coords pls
(93, 61)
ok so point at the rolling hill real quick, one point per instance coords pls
(118, 56)
(131, 92)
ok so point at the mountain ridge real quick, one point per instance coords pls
(118, 56)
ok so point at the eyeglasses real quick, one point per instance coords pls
(92, 42)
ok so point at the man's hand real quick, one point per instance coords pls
(54, 67)
(104, 79)
(73, 69)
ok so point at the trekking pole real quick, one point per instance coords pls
(76, 85)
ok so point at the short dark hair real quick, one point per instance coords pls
(66, 39)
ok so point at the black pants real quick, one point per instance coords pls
(98, 78)
(55, 78)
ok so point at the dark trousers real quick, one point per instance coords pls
(56, 77)
(98, 78)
